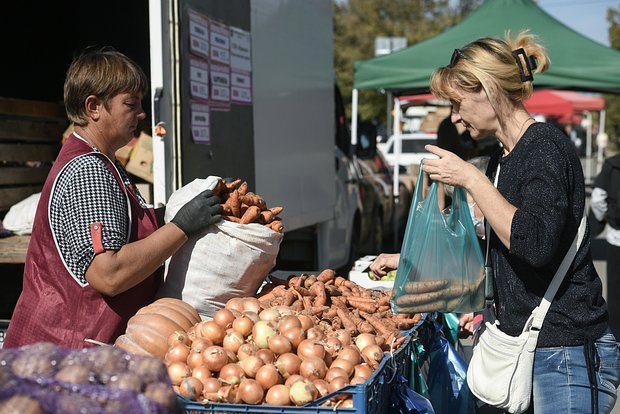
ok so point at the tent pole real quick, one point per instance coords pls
(354, 118)
(601, 141)
(389, 117)
(589, 148)
(396, 182)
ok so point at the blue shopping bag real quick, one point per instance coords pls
(441, 267)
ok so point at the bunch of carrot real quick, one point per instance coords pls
(341, 304)
(242, 206)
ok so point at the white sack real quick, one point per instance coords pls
(224, 261)
(20, 217)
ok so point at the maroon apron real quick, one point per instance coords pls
(53, 306)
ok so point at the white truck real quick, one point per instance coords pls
(246, 89)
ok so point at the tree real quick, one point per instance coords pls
(612, 102)
(358, 22)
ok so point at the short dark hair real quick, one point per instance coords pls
(104, 73)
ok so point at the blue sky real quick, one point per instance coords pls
(588, 17)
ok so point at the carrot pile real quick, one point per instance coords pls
(340, 304)
(242, 206)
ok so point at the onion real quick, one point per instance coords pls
(266, 355)
(278, 395)
(337, 383)
(280, 345)
(373, 355)
(251, 305)
(191, 388)
(285, 310)
(270, 314)
(364, 339)
(212, 331)
(348, 403)
(179, 337)
(246, 350)
(307, 321)
(295, 335)
(288, 364)
(211, 385)
(302, 392)
(321, 385)
(332, 345)
(350, 353)
(358, 380)
(177, 371)
(202, 373)
(229, 393)
(310, 348)
(231, 374)
(200, 344)
(293, 379)
(232, 341)
(261, 332)
(224, 318)
(250, 391)
(214, 358)
(313, 368)
(345, 364)
(177, 353)
(191, 332)
(251, 365)
(243, 325)
(289, 322)
(232, 357)
(363, 370)
(343, 336)
(268, 376)
(194, 359)
(315, 333)
(253, 316)
(334, 372)
(234, 304)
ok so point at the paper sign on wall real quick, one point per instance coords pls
(199, 78)
(201, 133)
(198, 34)
(220, 43)
(240, 50)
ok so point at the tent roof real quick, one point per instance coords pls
(576, 61)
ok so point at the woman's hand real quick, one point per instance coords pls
(466, 325)
(449, 168)
(385, 263)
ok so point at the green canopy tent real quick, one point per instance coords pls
(577, 63)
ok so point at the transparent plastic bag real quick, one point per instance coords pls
(441, 267)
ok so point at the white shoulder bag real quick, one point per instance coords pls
(501, 368)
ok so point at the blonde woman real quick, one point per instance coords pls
(534, 214)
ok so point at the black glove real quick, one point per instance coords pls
(200, 212)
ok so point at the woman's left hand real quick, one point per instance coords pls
(448, 169)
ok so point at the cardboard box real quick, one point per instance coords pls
(141, 159)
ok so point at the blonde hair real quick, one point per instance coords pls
(103, 73)
(488, 63)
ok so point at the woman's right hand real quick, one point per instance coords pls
(385, 263)
(201, 211)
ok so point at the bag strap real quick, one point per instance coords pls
(545, 303)
(488, 270)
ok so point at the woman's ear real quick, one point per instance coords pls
(93, 106)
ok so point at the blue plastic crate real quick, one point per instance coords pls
(372, 397)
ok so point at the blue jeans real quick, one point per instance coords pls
(561, 382)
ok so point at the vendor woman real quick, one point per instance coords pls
(96, 251)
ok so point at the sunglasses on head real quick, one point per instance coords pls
(456, 56)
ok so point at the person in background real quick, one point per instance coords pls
(96, 252)
(605, 209)
(534, 214)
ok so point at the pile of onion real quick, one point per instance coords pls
(250, 355)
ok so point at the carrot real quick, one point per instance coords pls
(361, 325)
(276, 225)
(307, 301)
(347, 322)
(314, 310)
(276, 210)
(336, 322)
(426, 286)
(383, 308)
(226, 209)
(233, 185)
(331, 289)
(303, 291)
(250, 215)
(341, 281)
(235, 203)
(252, 199)
(331, 312)
(325, 275)
(310, 281)
(219, 188)
(243, 188)
(297, 306)
(383, 301)
(369, 307)
(266, 216)
(318, 290)
(231, 218)
(379, 325)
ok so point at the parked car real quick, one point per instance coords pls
(412, 149)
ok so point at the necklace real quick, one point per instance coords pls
(523, 125)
